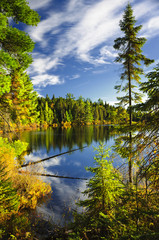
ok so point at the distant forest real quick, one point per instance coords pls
(82, 111)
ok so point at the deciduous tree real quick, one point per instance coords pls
(15, 48)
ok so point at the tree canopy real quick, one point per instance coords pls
(15, 48)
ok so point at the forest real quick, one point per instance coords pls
(116, 206)
(67, 111)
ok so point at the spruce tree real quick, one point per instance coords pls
(104, 187)
(130, 55)
(104, 191)
(88, 112)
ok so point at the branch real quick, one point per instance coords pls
(51, 175)
(57, 155)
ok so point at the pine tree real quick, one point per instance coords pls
(130, 56)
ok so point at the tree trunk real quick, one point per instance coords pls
(130, 122)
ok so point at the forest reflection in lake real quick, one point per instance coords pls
(46, 143)
(59, 138)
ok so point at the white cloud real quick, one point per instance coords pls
(75, 76)
(57, 161)
(31, 157)
(36, 4)
(105, 99)
(52, 24)
(45, 79)
(100, 71)
(106, 55)
(67, 196)
(145, 8)
(151, 27)
(39, 71)
(90, 26)
(147, 13)
(81, 28)
(100, 61)
(39, 95)
(107, 52)
(48, 25)
(39, 155)
(42, 64)
(98, 24)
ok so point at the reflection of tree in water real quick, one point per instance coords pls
(59, 138)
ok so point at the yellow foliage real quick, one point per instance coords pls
(31, 189)
(7, 160)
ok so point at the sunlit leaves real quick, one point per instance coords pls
(29, 188)
(20, 11)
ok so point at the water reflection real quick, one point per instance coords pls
(46, 143)
(59, 138)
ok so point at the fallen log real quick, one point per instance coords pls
(57, 155)
(51, 175)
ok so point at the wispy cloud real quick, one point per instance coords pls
(43, 63)
(145, 8)
(54, 20)
(75, 77)
(39, 71)
(151, 28)
(98, 24)
(89, 26)
(36, 4)
(45, 79)
(84, 30)
(106, 54)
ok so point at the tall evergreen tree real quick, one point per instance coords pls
(88, 112)
(15, 46)
(130, 56)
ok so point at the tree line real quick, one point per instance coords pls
(81, 111)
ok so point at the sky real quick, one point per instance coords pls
(74, 45)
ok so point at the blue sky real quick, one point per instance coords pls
(74, 45)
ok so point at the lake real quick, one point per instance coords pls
(46, 143)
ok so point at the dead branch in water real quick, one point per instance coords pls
(51, 175)
(57, 155)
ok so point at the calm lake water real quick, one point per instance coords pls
(46, 143)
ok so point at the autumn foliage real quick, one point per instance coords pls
(18, 191)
